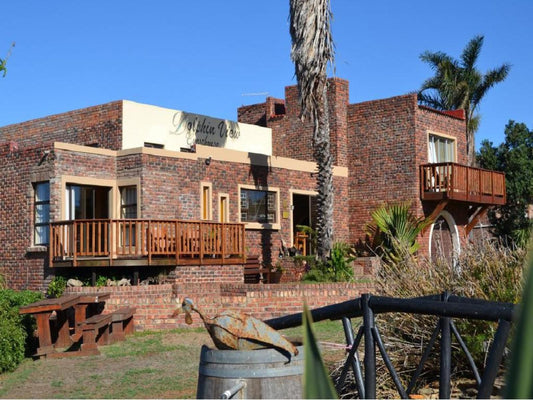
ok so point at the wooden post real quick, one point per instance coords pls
(75, 245)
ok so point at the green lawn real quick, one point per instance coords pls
(146, 365)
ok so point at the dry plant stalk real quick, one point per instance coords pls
(484, 270)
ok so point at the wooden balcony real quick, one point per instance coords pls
(134, 242)
(451, 181)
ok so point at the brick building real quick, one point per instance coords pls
(134, 187)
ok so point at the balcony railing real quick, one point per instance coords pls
(459, 182)
(119, 241)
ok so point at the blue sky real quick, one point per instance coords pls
(211, 56)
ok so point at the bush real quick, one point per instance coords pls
(338, 268)
(16, 331)
(394, 230)
(57, 286)
(485, 271)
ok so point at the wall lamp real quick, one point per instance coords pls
(208, 160)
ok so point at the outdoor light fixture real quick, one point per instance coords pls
(208, 160)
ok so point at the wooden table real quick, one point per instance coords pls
(86, 307)
(42, 311)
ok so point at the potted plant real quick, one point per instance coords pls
(276, 272)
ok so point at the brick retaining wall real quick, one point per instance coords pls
(155, 303)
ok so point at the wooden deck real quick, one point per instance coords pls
(451, 181)
(135, 242)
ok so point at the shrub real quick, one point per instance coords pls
(393, 230)
(16, 331)
(338, 267)
(57, 286)
(485, 271)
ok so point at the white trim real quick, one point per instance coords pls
(454, 232)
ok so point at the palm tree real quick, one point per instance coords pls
(3, 62)
(394, 231)
(312, 51)
(458, 84)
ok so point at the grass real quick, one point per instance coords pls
(147, 365)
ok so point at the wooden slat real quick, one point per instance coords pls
(462, 183)
(138, 238)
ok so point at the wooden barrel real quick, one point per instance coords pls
(256, 374)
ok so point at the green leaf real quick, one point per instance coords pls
(519, 382)
(317, 383)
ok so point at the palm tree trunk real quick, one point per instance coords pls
(322, 155)
(470, 147)
(312, 51)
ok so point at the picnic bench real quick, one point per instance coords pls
(254, 272)
(42, 311)
(95, 332)
(122, 323)
(90, 327)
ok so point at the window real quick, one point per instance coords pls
(128, 202)
(87, 202)
(223, 209)
(205, 194)
(154, 145)
(42, 213)
(258, 206)
(441, 149)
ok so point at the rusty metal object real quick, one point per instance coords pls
(238, 331)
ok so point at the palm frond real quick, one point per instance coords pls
(471, 52)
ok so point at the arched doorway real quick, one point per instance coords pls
(444, 239)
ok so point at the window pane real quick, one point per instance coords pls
(42, 213)
(441, 149)
(42, 191)
(258, 206)
(41, 234)
(129, 202)
(129, 212)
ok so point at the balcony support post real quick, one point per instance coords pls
(480, 212)
(436, 211)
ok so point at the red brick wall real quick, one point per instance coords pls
(383, 166)
(100, 125)
(171, 189)
(24, 161)
(155, 303)
(292, 137)
(429, 120)
(22, 267)
(388, 141)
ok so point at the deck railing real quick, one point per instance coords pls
(144, 238)
(460, 182)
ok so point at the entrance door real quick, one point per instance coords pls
(303, 213)
(442, 241)
(88, 203)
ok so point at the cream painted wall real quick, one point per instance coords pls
(172, 128)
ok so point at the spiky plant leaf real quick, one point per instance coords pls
(317, 383)
(519, 382)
